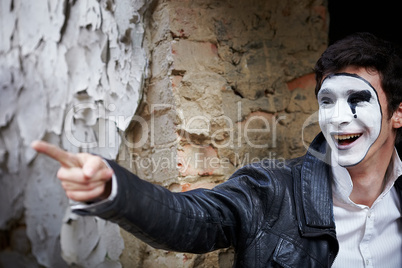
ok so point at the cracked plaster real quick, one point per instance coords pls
(69, 77)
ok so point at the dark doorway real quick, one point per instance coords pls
(382, 18)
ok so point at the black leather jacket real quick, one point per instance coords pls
(273, 217)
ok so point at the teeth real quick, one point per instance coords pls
(346, 137)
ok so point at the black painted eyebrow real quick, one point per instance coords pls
(326, 90)
(357, 91)
(363, 94)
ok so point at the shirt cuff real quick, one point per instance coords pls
(94, 206)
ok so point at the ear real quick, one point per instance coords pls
(397, 117)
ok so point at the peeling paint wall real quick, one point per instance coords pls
(71, 73)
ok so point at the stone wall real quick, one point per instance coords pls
(230, 83)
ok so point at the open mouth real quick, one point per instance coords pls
(346, 139)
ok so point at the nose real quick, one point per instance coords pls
(341, 114)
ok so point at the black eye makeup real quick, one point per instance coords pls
(358, 97)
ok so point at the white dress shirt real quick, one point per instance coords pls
(368, 236)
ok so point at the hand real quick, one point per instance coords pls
(84, 177)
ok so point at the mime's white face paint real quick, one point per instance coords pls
(349, 116)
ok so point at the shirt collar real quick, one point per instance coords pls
(342, 184)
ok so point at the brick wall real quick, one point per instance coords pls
(230, 83)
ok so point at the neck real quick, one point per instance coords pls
(369, 178)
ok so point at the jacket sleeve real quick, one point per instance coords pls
(197, 221)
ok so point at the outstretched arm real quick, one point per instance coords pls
(198, 221)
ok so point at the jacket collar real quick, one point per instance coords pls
(315, 183)
(313, 195)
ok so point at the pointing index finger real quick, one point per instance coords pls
(65, 158)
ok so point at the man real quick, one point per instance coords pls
(340, 210)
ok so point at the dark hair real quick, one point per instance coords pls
(367, 51)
